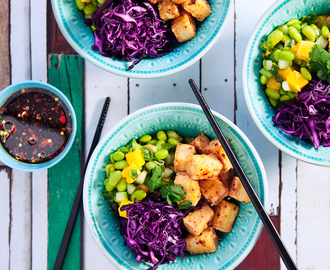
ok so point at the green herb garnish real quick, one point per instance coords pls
(320, 62)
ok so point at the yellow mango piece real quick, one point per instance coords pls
(285, 72)
(127, 173)
(295, 47)
(296, 81)
(123, 213)
(273, 84)
(304, 48)
(136, 158)
(328, 35)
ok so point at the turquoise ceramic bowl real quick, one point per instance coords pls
(71, 22)
(187, 119)
(258, 105)
(18, 165)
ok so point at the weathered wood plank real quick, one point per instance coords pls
(313, 218)
(5, 175)
(56, 41)
(64, 177)
(4, 45)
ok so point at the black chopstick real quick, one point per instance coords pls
(76, 204)
(246, 183)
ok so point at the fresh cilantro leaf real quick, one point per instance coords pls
(147, 155)
(185, 205)
(174, 197)
(320, 62)
(278, 78)
(309, 18)
(156, 179)
(178, 190)
(134, 174)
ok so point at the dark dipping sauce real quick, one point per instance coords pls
(35, 125)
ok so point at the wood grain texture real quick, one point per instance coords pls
(66, 74)
(4, 45)
(56, 41)
(264, 255)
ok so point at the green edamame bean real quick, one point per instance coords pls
(108, 169)
(283, 28)
(153, 142)
(173, 134)
(303, 25)
(309, 32)
(285, 38)
(90, 9)
(161, 135)
(159, 144)
(121, 164)
(294, 33)
(291, 22)
(145, 138)
(263, 79)
(122, 185)
(277, 55)
(306, 74)
(286, 55)
(314, 27)
(150, 165)
(274, 38)
(173, 141)
(325, 31)
(285, 98)
(161, 154)
(297, 26)
(274, 102)
(118, 156)
(139, 195)
(292, 94)
(109, 187)
(282, 92)
(123, 149)
(114, 178)
(272, 93)
(80, 5)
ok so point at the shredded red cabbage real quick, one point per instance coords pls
(131, 29)
(309, 116)
(153, 230)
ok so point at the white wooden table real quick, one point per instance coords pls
(299, 193)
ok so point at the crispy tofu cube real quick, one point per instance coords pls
(213, 190)
(198, 220)
(206, 167)
(191, 187)
(207, 242)
(237, 191)
(200, 9)
(200, 142)
(214, 147)
(178, 1)
(225, 214)
(184, 27)
(183, 154)
(226, 177)
(168, 10)
(153, 1)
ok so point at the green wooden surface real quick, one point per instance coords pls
(65, 72)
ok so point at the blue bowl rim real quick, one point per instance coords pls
(281, 146)
(131, 74)
(18, 165)
(92, 226)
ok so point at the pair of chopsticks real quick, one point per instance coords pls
(76, 204)
(246, 183)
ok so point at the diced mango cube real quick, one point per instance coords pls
(130, 173)
(273, 84)
(304, 48)
(285, 72)
(296, 81)
(136, 158)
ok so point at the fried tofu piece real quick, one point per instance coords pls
(178, 1)
(191, 187)
(200, 9)
(200, 142)
(207, 167)
(213, 190)
(184, 27)
(215, 147)
(226, 177)
(237, 191)
(168, 10)
(153, 1)
(183, 154)
(225, 214)
(198, 220)
(206, 242)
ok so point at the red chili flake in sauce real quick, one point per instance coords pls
(40, 128)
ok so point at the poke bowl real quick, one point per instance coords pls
(283, 13)
(37, 126)
(71, 22)
(188, 120)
